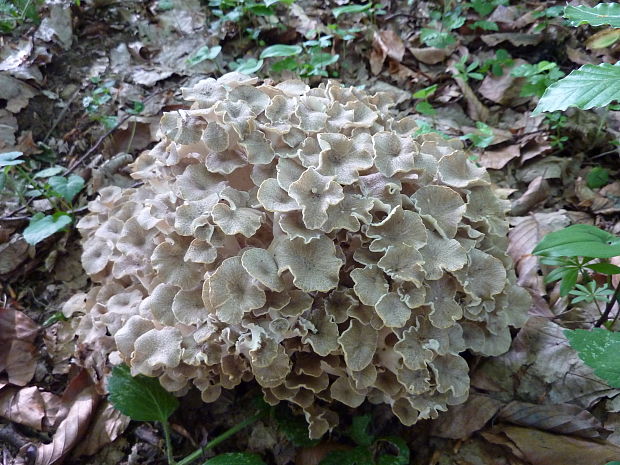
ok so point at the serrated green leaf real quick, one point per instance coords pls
(599, 350)
(10, 159)
(235, 458)
(67, 188)
(43, 226)
(141, 398)
(357, 456)
(599, 15)
(403, 452)
(280, 50)
(587, 87)
(341, 10)
(579, 240)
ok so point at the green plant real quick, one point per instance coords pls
(496, 65)
(368, 8)
(15, 12)
(485, 7)
(578, 252)
(557, 122)
(468, 71)
(143, 399)
(98, 98)
(538, 77)
(591, 85)
(597, 177)
(483, 137)
(60, 191)
(424, 107)
(437, 33)
(368, 448)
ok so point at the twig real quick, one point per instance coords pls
(61, 115)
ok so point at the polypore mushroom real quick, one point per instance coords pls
(306, 239)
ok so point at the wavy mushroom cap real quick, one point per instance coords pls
(307, 239)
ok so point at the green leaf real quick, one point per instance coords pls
(286, 64)
(141, 398)
(280, 50)
(599, 15)
(341, 10)
(249, 66)
(485, 25)
(403, 452)
(204, 53)
(568, 282)
(615, 462)
(599, 350)
(357, 456)
(10, 159)
(604, 268)
(43, 226)
(294, 427)
(261, 10)
(235, 458)
(359, 430)
(273, 2)
(587, 87)
(597, 177)
(579, 240)
(425, 108)
(437, 39)
(426, 92)
(67, 188)
(47, 172)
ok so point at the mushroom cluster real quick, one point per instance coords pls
(306, 239)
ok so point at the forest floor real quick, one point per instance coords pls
(82, 87)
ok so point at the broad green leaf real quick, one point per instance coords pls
(141, 398)
(43, 226)
(604, 268)
(294, 427)
(615, 462)
(67, 188)
(357, 456)
(600, 350)
(280, 50)
(204, 53)
(425, 108)
(261, 10)
(341, 10)
(568, 281)
(235, 458)
(272, 2)
(47, 172)
(287, 63)
(249, 66)
(579, 240)
(426, 92)
(10, 159)
(587, 87)
(597, 177)
(403, 452)
(359, 430)
(599, 15)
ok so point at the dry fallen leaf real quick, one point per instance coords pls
(557, 418)
(461, 421)
(82, 400)
(537, 192)
(107, 425)
(24, 406)
(527, 231)
(497, 159)
(385, 43)
(17, 334)
(540, 448)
